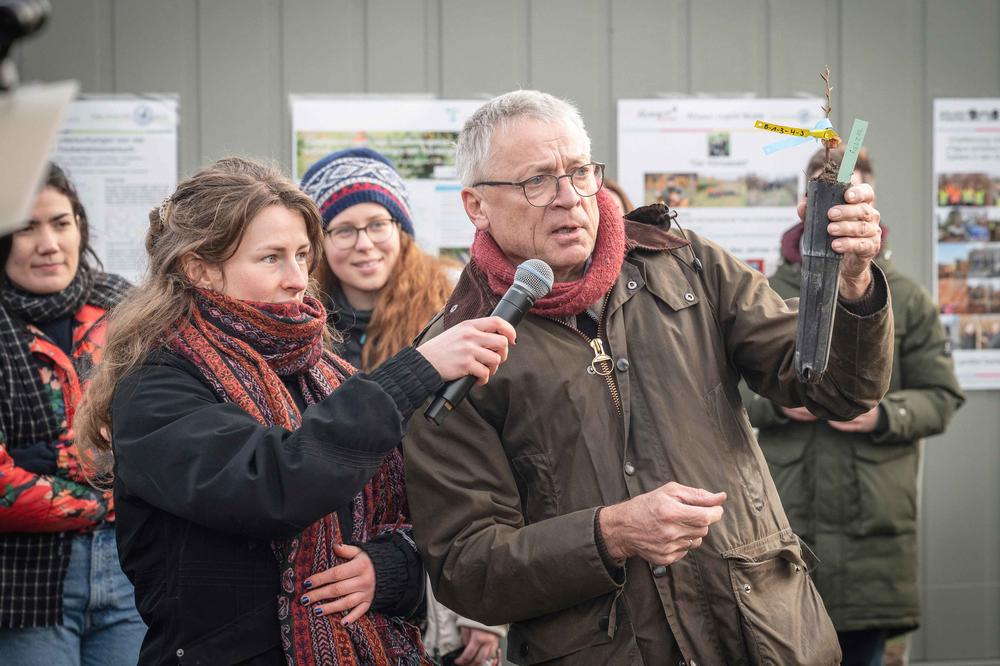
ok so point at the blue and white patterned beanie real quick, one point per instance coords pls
(357, 175)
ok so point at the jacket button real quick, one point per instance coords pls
(622, 365)
(453, 308)
(629, 468)
(659, 571)
(902, 411)
(180, 652)
(632, 284)
(746, 588)
(689, 297)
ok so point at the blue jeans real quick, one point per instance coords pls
(101, 626)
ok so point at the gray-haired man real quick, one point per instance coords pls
(571, 495)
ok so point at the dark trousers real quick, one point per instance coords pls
(863, 648)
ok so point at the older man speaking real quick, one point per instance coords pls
(604, 492)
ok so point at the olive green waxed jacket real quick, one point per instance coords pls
(504, 494)
(852, 497)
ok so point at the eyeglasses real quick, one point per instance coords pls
(345, 236)
(542, 190)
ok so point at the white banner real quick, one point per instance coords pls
(417, 135)
(705, 158)
(966, 227)
(121, 153)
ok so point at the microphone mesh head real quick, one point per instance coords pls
(535, 276)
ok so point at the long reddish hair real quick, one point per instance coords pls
(417, 288)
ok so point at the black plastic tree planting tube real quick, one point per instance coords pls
(820, 282)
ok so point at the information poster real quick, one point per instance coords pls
(121, 153)
(706, 158)
(417, 135)
(967, 234)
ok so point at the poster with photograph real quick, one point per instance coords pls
(966, 204)
(417, 134)
(706, 158)
(121, 153)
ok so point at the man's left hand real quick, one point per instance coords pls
(867, 422)
(857, 236)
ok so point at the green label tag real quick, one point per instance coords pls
(851, 151)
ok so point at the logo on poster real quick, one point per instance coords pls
(142, 114)
(970, 115)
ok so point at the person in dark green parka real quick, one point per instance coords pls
(850, 488)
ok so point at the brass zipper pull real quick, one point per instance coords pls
(600, 358)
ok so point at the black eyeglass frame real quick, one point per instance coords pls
(522, 184)
(393, 222)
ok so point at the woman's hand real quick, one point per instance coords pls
(480, 647)
(474, 347)
(346, 587)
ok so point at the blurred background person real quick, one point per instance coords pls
(618, 196)
(382, 290)
(63, 596)
(259, 480)
(850, 488)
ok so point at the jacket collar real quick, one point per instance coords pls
(646, 228)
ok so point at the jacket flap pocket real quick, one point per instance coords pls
(240, 640)
(783, 618)
(560, 634)
(667, 282)
(878, 453)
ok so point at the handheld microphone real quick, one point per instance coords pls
(532, 280)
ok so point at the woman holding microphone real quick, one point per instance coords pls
(258, 479)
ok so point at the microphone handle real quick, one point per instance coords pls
(511, 308)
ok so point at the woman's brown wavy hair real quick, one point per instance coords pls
(417, 288)
(206, 216)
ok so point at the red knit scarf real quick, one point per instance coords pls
(566, 298)
(243, 349)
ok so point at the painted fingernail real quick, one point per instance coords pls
(345, 622)
(317, 610)
(304, 599)
(308, 584)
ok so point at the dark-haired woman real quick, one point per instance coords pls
(254, 470)
(63, 596)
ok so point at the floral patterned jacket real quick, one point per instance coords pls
(65, 501)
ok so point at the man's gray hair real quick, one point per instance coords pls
(475, 140)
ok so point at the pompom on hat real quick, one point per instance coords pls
(353, 176)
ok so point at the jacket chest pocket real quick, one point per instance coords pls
(735, 437)
(886, 478)
(536, 486)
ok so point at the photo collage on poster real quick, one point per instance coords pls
(705, 158)
(967, 234)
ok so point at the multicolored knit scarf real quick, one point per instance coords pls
(566, 298)
(26, 416)
(243, 349)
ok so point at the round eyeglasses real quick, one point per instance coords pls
(542, 190)
(345, 236)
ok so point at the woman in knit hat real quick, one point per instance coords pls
(383, 289)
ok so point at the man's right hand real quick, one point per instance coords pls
(660, 526)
